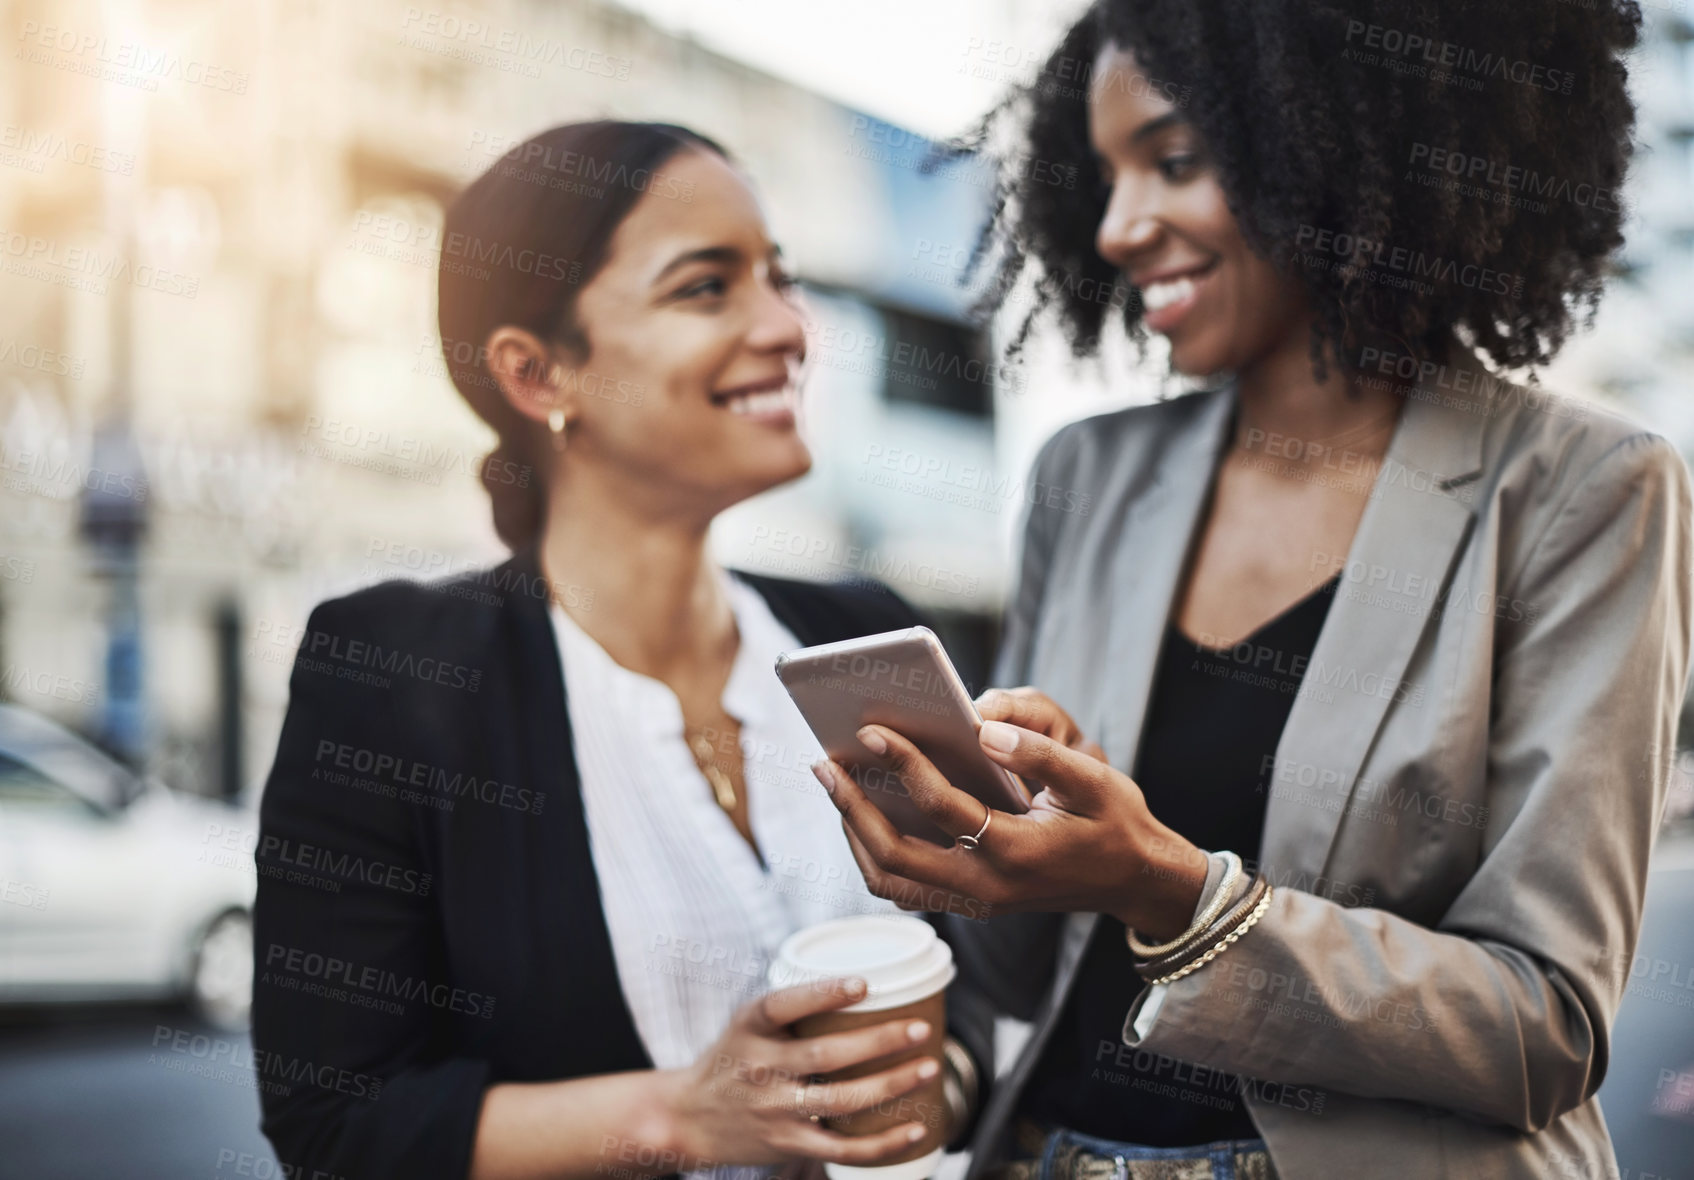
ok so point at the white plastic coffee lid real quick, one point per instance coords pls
(921, 1168)
(899, 957)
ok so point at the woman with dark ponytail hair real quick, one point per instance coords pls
(517, 887)
(544, 223)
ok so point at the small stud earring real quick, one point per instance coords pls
(556, 424)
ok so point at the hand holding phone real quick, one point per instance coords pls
(903, 680)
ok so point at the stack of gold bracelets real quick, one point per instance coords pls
(1212, 932)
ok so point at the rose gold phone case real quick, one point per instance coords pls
(903, 680)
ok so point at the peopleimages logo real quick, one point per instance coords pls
(1495, 395)
(1387, 797)
(854, 350)
(265, 1167)
(1357, 250)
(939, 476)
(276, 852)
(38, 147)
(446, 785)
(360, 660)
(149, 65)
(25, 894)
(272, 1072)
(561, 168)
(17, 677)
(52, 473)
(430, 459)
(511, 49)
(1464, 166)
(1435, 57)
(342, 976)
(41, 360)
(86, 268)
(465, 250)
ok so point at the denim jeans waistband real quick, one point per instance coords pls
(1071, 1155)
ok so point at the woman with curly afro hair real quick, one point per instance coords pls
(1357, 670)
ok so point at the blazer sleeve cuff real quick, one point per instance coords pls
(420, 1123)
(447, 1112)
(1142, 1013)
(1144, 1010)
(1194, 1018)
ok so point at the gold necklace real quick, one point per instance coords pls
(723, 788)
(699, 744)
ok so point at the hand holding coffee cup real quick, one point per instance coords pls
(907, 967)
(751, 1098)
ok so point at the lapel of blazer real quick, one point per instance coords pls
(600, 1031)
(596, 1026)
(1144, 561)
(1413, 526)
(1146, 568)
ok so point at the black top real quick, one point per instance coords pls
(1213, 722)
(428, 919)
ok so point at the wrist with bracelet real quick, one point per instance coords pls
(1208, 914)
(960, 1085)
(1220, 922)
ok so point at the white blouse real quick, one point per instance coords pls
(695, 919)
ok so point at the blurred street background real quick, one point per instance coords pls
(222, 400)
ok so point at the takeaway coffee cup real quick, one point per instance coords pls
(907, 969)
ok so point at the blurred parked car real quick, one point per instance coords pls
(115, 887)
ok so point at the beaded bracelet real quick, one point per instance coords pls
(1231, 873)
(1214, 952)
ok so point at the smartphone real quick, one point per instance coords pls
(903, 680)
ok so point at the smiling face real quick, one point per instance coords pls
(1168, 227)
(688, 394)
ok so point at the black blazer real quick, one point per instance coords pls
(428, 919)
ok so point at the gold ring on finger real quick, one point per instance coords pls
(800, 1103)
(969, 842)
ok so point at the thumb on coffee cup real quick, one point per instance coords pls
(787, 1004)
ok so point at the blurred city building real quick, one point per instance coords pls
(222, 394)
(1640, 352)
(223, 399)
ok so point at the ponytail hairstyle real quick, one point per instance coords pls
(517, 247)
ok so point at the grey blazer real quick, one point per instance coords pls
(1463, 800)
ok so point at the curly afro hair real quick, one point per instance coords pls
(1424, 169)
